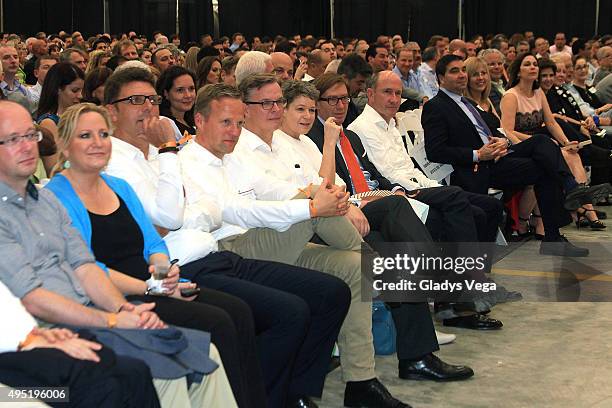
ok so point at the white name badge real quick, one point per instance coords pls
(434, 171)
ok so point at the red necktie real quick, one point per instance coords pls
(359, 182)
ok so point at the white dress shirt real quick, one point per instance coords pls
(272, 178)
(302, 152)
(310, 159)
(158, 184)
(385, 149)
(206, 176)
(156, 180)
(35, 93)
(15, 321)
(428, 80)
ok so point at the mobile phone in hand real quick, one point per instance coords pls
(188, 292)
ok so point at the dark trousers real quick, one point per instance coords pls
(596, 155)
(230, 323)
(536, 161)
(113, 382)
(456, 215)
(297, 313)
(392, 219)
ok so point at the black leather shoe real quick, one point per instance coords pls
(370, 394)
(474, 322)
(301, 402)
(562, 247)
(432, 368)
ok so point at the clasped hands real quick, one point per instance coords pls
(495, 149)
(330, 200)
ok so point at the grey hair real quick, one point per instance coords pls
(489, 51)
(252, 62)
(294, 89)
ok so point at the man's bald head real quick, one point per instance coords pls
(18, 159)
(385, 93)
(458, 47)
(317, 62)
(283, 65)
(8, 109)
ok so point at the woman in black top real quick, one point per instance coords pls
(177, 87)
(478, 88)
(568, 115)
(121, 238)
(595, 107)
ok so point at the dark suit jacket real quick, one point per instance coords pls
(451, 137)
(316, 134)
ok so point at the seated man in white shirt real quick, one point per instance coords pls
(276, 156)
(41, 67)
(450, 211)
(281, 230)
(361, 175)
(293, 354)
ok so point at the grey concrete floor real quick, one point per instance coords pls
(555, 349)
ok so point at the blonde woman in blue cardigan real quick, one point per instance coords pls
(112, 222)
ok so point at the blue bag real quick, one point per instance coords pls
(383, 329)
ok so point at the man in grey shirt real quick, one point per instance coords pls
(48, 266)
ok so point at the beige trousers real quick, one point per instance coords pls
(341, 259)
(213, 391)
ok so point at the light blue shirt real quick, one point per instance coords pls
(428, 81)
(412, 81)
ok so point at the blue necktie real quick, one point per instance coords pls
(479, 119)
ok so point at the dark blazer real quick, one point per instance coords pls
(561, 102)
(451, 137)
(316, 134)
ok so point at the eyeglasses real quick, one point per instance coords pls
(141, 99)
(267, 105)
(333, 100)
(33, 136)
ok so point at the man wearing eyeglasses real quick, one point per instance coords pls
(255, 224)
(263, 155)
(188, 225)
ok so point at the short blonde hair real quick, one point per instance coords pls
(67, 124)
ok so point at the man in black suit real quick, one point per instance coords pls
(455, 133)
(391, 216)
